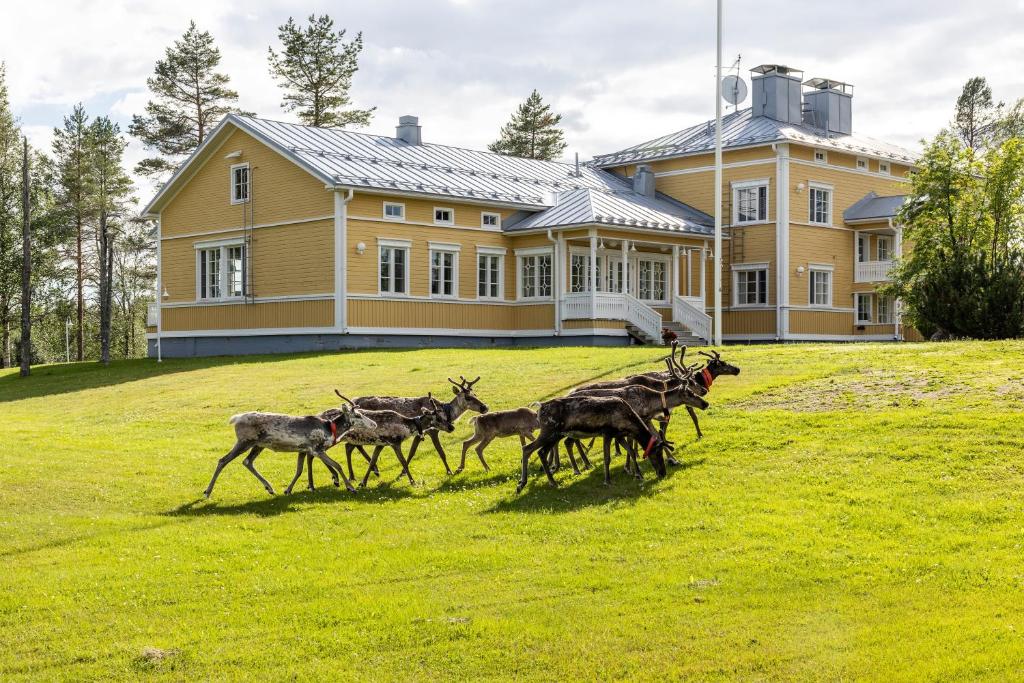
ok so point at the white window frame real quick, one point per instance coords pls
(879, 241)
(521, 256)
(484, 215)
(451, 215)
(861, 254)
(891, 305)
(443, 248)
(820, 187)
(867, 164)
(824, 156)
(405, 245)
(634, 273)
(745, 268)
(224, 276)
(751, 185)
(401, 211)
(884, 168)
(248, 183)
(491, 252)
(857, 297)
(819, 269)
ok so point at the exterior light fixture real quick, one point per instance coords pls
(800, 187)
(166, 293)
(800, 271)
(360, 248)
(233, 155)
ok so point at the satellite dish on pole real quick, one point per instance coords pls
(734, 90)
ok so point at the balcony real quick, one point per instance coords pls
(873, 271)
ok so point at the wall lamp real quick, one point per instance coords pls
(360, 248)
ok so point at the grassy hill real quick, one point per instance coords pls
(852, 512)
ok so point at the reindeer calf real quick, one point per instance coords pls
(521, 422)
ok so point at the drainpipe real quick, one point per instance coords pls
(159, 292)
(341, 200)
(556, 279)
(897, 305)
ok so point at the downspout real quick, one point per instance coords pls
(341, 259)
(159, 291)
(781, 239)
(897, 305)
(556, 284)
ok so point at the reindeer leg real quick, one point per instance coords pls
(335, 468)
(662, 432)
(480, 452)
(572, 458)
(373, 463)
(298, 473)
(412, 449)
(348, 456)
(547, 471)
(309, 473)
(607, 462)
(335, 471)
(584, 452)
(440, 451)
(465, 447)
(397, 448)
(637, 472)
(362, 449)
(239, 448)
(693, 416)
(248, 462)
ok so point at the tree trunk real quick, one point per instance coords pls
(104, 289)
(26, 267)
(5, 335)
(80, 331)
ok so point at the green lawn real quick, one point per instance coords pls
(853, 512)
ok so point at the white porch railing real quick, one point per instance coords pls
(612, 306)
(689, 312)
(152, 314)
(873, 271)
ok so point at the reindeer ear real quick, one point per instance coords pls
(455, 390)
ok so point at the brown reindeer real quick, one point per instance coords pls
(521, 422)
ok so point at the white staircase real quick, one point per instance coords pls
(642, 322)
(689, 321)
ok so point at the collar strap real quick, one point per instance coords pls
(708, 377)
(334, 432)
(650, 445)
(666, 413)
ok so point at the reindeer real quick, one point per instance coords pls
(309, 436)
(521, 422)
(464, 400)
(582, 416)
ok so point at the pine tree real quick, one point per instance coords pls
(74, 200)
(190, 98)
(315, 70)
(532, 132)
(977, 116)
(10, 220)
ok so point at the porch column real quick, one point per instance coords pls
(675, 271)
(559, 271)
(625, 268)
(703, 274)
(593, 272)
(689, 272)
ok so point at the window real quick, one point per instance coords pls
(489, 277)
(821, 287)
(579, 272)
(884, 249)
(883, 167)
(490, 220)
(862, 164)
(820, 156)
(751, 287)
(222, 271)
(751, 202)
(820, 205)
(862, 249)
(444, 268)
(444, 216)
(885, 310)
(535, 276)
(650, 280)
(394, 267)
(863, 309)
(393, 211)
(239, 183)
(613, 275)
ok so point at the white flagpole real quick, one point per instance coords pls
(718, 184)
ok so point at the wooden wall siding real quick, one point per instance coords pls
(820, 322)
(698, 189)
(875, 330)
(837, 158)
(848, 188)
(371, 206)
(273, 314)
(287, 260)
(701, 160)
(593, 324)
(429, 314)
(822, 246)
(281, 192)
(757, 322)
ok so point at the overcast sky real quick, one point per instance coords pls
(618, 72)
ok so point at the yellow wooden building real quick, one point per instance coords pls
(281, 237)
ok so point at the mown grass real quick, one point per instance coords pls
(853, 512)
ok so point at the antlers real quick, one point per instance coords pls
(347, 400)
(716, 356)
(464, 384)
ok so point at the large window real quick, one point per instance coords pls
(820, 205)
(885, 310)
(394, 268)
(862, 248)
(884, 249)
(444, 272)
(751, 287)
(751, 200)
(863, 309)
(535, 276)
(579, 272)
(489, 279)
(222, 271)
(239, 183)
(650, 280)
(821, 287)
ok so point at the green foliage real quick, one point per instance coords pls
(532, 132)
(315, 70)
(845, 498)
(190, 97)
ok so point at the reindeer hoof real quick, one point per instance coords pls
(673, 461)
(458, 470)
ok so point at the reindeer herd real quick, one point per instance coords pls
(622, 412)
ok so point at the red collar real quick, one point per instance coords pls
(650, 445)
(708, 377)
(334, 432)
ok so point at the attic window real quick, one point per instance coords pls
(862, 164)
(883, 167)
(443, 216)
(240, 183)
(820, 156)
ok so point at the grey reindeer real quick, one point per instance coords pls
(310, 436)
(521, 422)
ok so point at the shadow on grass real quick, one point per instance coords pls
(586, 490)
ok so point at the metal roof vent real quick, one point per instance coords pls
(408, 130)
(776, 92)
(643, 180)
(828, 106)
